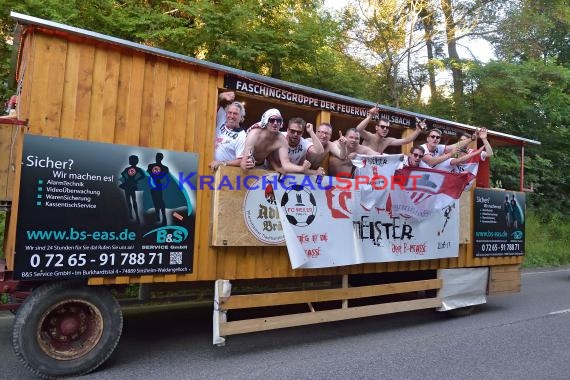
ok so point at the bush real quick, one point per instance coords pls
(547, 241)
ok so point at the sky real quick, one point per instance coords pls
(478, 49)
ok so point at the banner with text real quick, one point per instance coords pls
(94, 209)
(331, 227)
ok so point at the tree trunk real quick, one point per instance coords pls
(428, 21)
(455, 62)
(276, 68)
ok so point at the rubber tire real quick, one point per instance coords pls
(461, 311)
(29, 316)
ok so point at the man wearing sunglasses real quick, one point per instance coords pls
(379, 141)
(230, 138)
(415, 157)
(436, 153)
(297, 145)
(265, 142)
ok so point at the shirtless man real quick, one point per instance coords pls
(379, 141)
(342, 165)
(324, 134)
(261, 142)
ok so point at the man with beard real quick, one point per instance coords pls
(297, 145)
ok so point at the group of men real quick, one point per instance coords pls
(264, 146)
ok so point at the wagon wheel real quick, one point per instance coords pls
(66, 328)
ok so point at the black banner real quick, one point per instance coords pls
(245, 85)
(499, 219)
(92, 209)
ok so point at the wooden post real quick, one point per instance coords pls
(345, 286)
(222, 290)
(406, 147)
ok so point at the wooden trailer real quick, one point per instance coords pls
(83, 93)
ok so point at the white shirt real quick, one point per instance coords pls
(439, 150)
(446, 166)
(472, 165)
(297, 154)
(229, 143)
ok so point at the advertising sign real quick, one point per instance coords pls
(499, 223)
(94, 209)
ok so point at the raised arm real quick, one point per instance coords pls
(461, 143)
(483, 136)
(225, 98)
(433, 161)
(466, 157)
(338, 147)
(420, 126)
(361, 127)
(317, 147)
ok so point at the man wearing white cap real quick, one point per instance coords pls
(262, 142)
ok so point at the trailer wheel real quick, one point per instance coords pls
(66, 328)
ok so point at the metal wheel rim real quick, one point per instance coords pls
(70, 329)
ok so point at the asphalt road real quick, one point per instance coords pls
(519, 336)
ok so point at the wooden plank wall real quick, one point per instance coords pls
(89, 90)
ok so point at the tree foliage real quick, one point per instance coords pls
(530, 99)
(535, 30)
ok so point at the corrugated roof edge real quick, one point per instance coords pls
(30, 20)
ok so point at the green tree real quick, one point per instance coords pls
(530, 99)
(535, 30)
(128, 19)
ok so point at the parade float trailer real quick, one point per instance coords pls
(88, 103)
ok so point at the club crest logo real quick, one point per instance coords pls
(300, 206)
(261, 213)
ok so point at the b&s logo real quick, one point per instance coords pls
(261, 214)
(300, 206)
(169, 234)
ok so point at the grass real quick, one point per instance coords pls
(547, 242)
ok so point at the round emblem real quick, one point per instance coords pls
(300, 206)
(261, 212)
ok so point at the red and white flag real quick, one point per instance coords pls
(425, 191)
